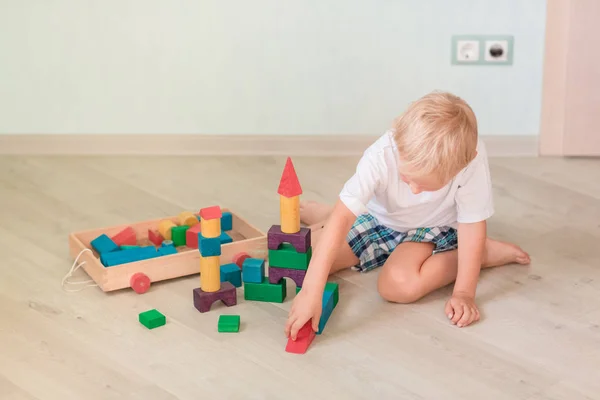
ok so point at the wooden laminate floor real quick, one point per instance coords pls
(539, 337)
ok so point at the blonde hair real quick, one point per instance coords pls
(436, 134)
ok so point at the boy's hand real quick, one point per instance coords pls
(306, 305)
(461, 309)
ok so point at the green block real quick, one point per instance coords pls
(152, 319)
(286, 256)
(229, 323)
(265, 291)
(178, 235)
(335, 288)
(129, 247)
(329, 287)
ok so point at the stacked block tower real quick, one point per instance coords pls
(209, 244)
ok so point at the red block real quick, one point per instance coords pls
(289, 185)
(208, 213)
(191, 236)
(239, 258)
(305, 336)
(155, 237)
(126, 236)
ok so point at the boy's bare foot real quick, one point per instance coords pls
(499, 253)
(312, 212)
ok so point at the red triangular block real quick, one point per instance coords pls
(126, 236)
(289, 186)
(305, 336)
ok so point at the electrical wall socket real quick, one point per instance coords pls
(482, 50)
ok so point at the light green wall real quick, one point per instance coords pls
(257, 67)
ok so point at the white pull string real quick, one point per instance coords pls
(75, 267)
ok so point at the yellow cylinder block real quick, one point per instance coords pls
(210, 228)
(289, 209)
(164, 228)
(210, 274)
(188, 218)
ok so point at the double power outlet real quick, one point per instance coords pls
(482, 50)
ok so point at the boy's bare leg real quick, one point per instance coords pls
(411, 272)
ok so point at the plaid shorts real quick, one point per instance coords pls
(373, 243)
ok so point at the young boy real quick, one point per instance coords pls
(417, 191)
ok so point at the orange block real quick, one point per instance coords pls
(164, 228)
(211, 228)
(188, 218)
(289, 209)
(210, 273)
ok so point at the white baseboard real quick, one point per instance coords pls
(249, 145)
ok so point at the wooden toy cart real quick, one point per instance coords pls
(139, 275)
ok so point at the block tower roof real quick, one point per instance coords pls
(289, 186)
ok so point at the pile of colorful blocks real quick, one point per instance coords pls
(165, 239)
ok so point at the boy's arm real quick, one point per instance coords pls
(461, 308)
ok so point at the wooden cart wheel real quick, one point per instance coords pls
(239, 258)
(140, 282)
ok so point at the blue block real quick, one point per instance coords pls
(225, 238)
(166, 250)
(226, 221)
(231, 273)
(326, 310)
(209, 247)
(253, 270)
(126, 256)
(103, 244)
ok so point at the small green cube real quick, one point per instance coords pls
(229, 323)
(178, 235)
(152, 319)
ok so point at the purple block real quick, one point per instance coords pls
(204, 300)
(300, 240)
(276, 274)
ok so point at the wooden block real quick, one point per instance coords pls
(191, 236)
(287, 257)
(229, 323)
(210, 274)
(289, 211)
(210, 213)
(209, 247)
(335, 288)
(155, 237)
(277, 274)
(211, 228)
(304, 338)
(164, 228)
(166, 250)
(289, 185)
(265, 291)
(204, 300)
(187, 218)
(326, 310)
(178, 235)
(300, 240)
(126, 256)
(152, 319)
(225, 238)
(226, 221)
(253, 270)
(125, 237)
(232, 274)
(103, 244)
(239, 258)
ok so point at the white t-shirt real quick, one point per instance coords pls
(376, 188)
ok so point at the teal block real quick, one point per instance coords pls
(231, 273)
(225, 238)
(209, 247)
(103, 244)
(253, 270)
(126, 256)
(166, 250)
(327, 309)
(226, 221)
